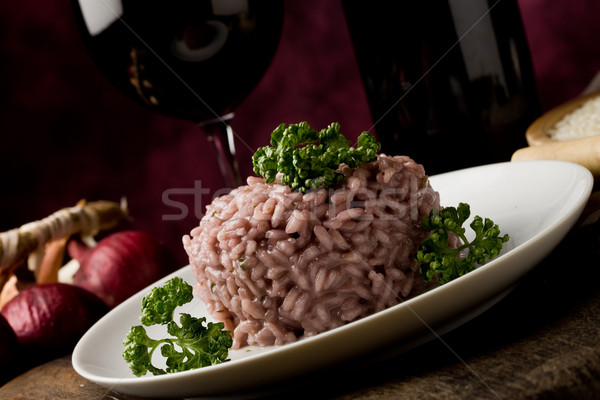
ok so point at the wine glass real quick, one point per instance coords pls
(190, 59)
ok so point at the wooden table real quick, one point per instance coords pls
(541, 342)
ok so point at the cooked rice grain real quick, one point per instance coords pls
(275, 264)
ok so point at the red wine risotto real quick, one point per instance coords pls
(276, 265)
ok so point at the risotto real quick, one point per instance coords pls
(275, 265)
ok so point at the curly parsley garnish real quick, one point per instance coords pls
(437, 258)
(199, 345)
(309, 159)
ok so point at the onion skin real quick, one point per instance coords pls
(122, 264)
(49, 319)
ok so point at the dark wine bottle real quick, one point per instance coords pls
(449, 83)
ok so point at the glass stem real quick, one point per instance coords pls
(220, 136)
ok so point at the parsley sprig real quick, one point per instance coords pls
(309, 159)
(436, 256)
(199, 345)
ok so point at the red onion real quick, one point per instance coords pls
(49, 319)
(122, 264)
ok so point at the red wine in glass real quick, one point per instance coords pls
(189, 59)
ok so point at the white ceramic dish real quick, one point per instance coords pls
(535, 202)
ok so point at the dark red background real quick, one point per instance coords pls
(68, 134)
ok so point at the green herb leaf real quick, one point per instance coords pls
(197, 345)
(159, 305)
(309, 159)
(436, 256)
(138, 352)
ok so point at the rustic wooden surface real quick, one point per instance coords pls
(56, 380)
(541, 342)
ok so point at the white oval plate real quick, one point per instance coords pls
(535, 202)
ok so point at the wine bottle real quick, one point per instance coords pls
(449, 83)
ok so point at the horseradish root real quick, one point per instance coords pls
(29, 241)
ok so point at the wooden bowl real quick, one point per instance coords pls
(537, 133)
(584, 151)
